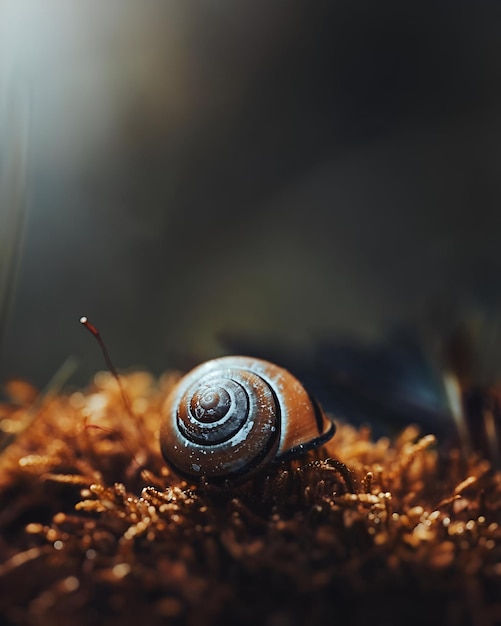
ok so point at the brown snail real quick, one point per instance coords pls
(230, 417)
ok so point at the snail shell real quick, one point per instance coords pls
(230, 417)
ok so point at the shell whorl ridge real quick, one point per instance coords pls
(229, 417)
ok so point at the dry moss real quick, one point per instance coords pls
(96, 530)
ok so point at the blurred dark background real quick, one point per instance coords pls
(198, 172)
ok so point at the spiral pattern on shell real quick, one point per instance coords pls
(229, 417)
